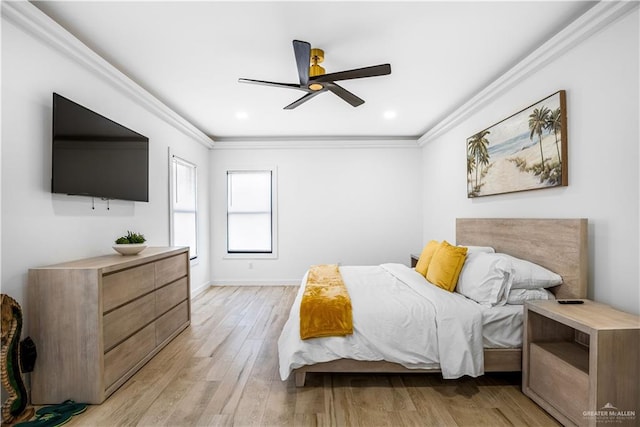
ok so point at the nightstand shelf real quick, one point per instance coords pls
(579, 359)
(574, 354)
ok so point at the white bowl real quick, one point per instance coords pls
(130, 248)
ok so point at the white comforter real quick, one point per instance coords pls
(397, 317)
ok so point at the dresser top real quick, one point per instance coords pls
(113, 262)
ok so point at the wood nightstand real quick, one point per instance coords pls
(581, 362)
(414, 260)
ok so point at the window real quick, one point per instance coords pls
(250, 213)
(184, 211)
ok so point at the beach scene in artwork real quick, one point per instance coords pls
(523, 152)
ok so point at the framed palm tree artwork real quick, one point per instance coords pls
(526, 151)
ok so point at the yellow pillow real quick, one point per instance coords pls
(425, 257)
(446, 265)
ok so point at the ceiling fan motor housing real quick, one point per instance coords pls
(317, 56)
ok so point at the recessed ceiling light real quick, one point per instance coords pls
(242, 115)
(389, 114)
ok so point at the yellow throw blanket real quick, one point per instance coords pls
(325, 309)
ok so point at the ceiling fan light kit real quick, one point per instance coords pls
(314, 80)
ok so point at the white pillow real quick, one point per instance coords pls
(485, 278)
(527, 275)
(519, 296)
(476, 249)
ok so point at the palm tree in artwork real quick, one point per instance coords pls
(537, 121)
(477, 149)
(471, 164)
(554, 124)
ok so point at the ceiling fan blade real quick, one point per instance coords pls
(302, 100)
(345, 94)
(358, 73)
(276, 84)
(302, 50)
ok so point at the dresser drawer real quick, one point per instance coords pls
(169, 296)
(124, 321)
(120, 288)
(171, 322)
(126, 355)
(170, 269)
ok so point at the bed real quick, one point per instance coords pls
(559, 245)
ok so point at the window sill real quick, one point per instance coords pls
(250, 256)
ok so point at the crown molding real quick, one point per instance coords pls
(32, 20)
(295, 142)
(596, 18)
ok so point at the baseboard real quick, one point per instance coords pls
(200, 289)
(295, 282)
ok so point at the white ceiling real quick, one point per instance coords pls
(190, 55)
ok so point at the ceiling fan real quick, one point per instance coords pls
(313, 79)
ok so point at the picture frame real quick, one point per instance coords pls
(525, 151)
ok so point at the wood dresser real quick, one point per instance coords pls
(581, 362)
(97, 321)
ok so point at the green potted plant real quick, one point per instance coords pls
(130, 244)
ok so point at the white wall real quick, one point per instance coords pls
(348, 205)
(600, 76)
(355, 206)
(40, 228)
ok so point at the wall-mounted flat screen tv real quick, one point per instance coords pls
(95, 156)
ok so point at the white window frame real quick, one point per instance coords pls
(173, 159)
(274, 215)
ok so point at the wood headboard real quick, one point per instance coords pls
(557, 244)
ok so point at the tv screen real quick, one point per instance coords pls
(94, 156)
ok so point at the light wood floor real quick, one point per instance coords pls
(223, 370)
